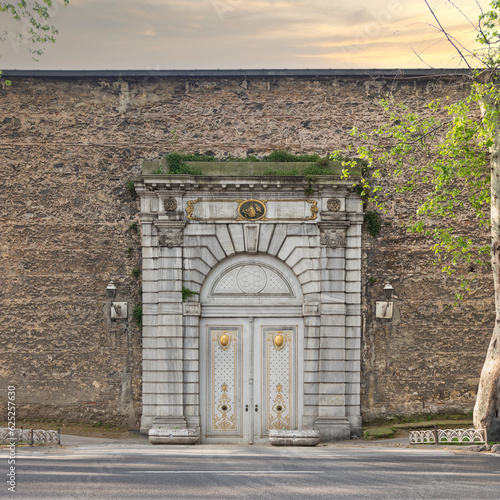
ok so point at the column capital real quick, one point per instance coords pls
(333, 233)
(170, 233)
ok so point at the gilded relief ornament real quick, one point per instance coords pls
(170, 238)
(333, 205)
(190, 209)
(280, 420)
(314, 210)
(333, 238)
(252, 210)
(170, 204)
(280, 340)
(224, 340)
(225, 422)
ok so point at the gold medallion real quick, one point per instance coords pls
(278, 340)
(251, 210)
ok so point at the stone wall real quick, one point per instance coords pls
(70, 145)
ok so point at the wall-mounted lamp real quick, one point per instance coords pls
(118, 309)
(384, 309)
(111, 290)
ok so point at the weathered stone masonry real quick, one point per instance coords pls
(69, 146)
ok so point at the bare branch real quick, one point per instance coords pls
(463, 14)
(480, 8)
(418, 55)
(479, 27)
(447, 35)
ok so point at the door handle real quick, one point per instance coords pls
(256, 408)
(246, 407)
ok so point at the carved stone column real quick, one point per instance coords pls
(169, 425)
(332, 421)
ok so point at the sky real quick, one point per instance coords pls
(248, 34)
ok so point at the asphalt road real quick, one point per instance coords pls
(121, 470)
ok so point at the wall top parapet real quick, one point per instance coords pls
(254, 169)
(225, 73)
(230, 184)
(187, 183)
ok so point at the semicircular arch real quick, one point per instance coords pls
(258, 280)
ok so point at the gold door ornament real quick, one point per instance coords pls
(224, 340)
(279, 418)
(279, 398)
(278, 340)
(225, 421)
(223, 382)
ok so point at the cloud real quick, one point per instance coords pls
(126, 34)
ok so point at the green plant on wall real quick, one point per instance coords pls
(282, 155)
(186, 293)
(137, 314)
(131, 188)
(373, 222)
(176, 165)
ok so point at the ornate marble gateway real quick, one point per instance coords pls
(267, 339)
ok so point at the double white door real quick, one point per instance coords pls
(249, 378)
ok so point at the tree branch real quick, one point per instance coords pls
(418, 55)
(447, 36)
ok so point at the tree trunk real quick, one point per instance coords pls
(486, 411)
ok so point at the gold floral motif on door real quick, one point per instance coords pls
(224, 380)
(279, 379)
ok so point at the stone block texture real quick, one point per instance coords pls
(69, 146)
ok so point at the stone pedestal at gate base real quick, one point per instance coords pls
(294, 438)
(333, 429)
(167, 430)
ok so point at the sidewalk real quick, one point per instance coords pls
(136, 438)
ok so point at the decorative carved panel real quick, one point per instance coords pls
(170, 204)
(170, 238)
(333, 238)
(251, 210)
(278, 372)
(333, 204)
(252, 279)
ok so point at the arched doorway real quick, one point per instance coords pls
(258, 288)
(251, 350)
